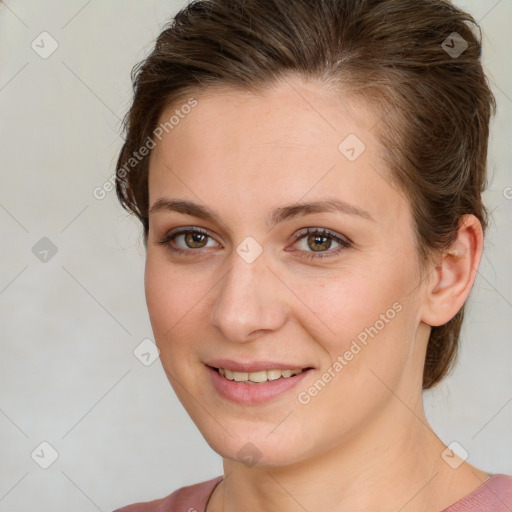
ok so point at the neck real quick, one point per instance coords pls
(393, 464)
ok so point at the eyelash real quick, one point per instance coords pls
(345, 243)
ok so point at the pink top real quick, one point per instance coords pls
(494, 495)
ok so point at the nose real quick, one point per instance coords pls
(250, 301)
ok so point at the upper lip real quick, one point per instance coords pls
(254, 366)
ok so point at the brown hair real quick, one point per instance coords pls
(400, 56)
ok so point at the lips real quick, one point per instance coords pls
(250, 393)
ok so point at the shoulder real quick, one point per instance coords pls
(192, 498)
(495, 495)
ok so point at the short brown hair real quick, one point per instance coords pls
(402, 57)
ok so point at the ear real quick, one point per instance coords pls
(448, 286)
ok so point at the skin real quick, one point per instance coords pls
(363, 443)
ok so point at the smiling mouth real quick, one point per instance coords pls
(260, 376)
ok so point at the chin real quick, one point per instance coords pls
(256, 449)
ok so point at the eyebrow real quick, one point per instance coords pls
(275, 217)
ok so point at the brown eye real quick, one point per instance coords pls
(319, 241)
(193, 240)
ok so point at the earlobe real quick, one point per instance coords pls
(454, 276)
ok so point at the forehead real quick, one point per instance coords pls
(279, 143)
(292, 111)
(288, 120)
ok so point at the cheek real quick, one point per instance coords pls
(170, 296)
(361, 317)
(364, 328)
(178, 304)
(341, 305)
(161, 297)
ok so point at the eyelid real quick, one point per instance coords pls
(187, 229)
(325, 231)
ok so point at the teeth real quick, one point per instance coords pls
(275, 374)
(262, 376)
(240, 376)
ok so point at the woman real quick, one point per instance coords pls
(308, 175)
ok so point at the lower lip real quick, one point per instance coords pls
(258, 393)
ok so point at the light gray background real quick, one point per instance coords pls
(68, 375)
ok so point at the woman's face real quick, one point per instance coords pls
(255, 288)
